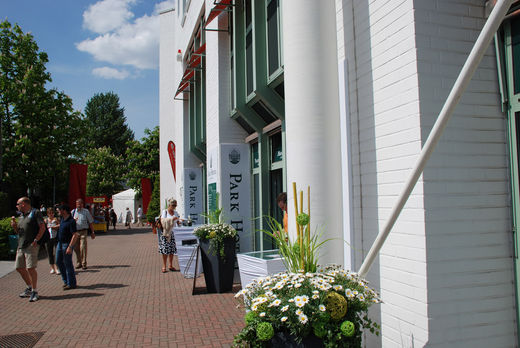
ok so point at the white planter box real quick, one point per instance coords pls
(186, 247)
(256, 264)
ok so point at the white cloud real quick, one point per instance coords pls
(110, 73)
(107, 15)
(122, 42)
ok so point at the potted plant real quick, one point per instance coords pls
(308, 305)
(217, 242)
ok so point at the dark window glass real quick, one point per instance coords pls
(256, 207)
(276, 147)
(272, 36)
(263, 111)
(249, 62)
(515, 39)
(249, 49)
(256, 156)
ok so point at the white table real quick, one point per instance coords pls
(256, 264)
(186, 247)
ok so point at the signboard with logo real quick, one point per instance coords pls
(235, 179)
(193, 199)
(212, 175)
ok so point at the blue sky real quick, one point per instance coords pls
(98, 47)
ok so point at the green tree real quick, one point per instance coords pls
(38, 126)
(104, 172)
(142, 159)
(106, 123)
(154, 208)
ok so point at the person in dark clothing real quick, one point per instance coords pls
(113, 218)
(67, 237)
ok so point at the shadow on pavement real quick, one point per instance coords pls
(124, 232)
(101, 286)
(106, 266)
(70, 295)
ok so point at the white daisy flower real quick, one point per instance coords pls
(322, 308)
(349, 293)
(337, 287)
(262, 314)
(303, 319)
(297, 285)
(299, 312)
(284, 308)
(284, 319)
(361, 297)
(275, 303)
(315, 297)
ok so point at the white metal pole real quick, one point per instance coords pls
(476, 54)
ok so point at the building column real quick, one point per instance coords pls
(313, 149)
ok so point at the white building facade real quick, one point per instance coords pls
(340, 96)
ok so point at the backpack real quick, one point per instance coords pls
(46, 237)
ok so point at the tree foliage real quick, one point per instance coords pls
(142, 159)
(104, 172)
(38, 126)
(106, 123)
(154, 208)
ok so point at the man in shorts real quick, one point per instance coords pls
(30, 228)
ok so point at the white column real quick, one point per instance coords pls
(313, 149)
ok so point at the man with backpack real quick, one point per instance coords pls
(30, 228)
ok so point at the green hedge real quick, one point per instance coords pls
(5, 231)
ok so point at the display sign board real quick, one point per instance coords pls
(235, 179)
(193, 199)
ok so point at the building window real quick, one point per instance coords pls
(249, 48)
(273, 36)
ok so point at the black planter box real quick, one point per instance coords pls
(285, 340)
(218, 272)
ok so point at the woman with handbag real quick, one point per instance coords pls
(53, 224)
(167, 247)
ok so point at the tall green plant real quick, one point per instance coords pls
(154, 208)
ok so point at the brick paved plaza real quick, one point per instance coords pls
(122, 300)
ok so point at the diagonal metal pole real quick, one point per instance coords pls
(471, 64)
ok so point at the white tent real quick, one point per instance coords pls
(123, 200)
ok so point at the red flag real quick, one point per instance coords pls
(171, 152)
(77, 183)
(146, 189)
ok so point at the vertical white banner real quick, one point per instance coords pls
(212, 177)
(235, 183)
(193, 199)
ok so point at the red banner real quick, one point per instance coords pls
(171, 153)
(77, 183)
(146, 189)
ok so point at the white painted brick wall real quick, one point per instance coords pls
(450, 250)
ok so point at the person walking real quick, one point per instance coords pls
(167, 246)
(84, 221)
(128, 218)
(52, 223)
(30, 228)
(113, 218)
(67, 238)
(140, 216)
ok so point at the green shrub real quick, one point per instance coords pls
(154, 208)
(5, 231)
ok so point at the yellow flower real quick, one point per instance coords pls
(212, 234)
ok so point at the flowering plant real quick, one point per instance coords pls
(216, 233)
(330, 304)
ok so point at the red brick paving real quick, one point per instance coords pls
(122, 300)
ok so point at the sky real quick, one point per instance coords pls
(98, 46)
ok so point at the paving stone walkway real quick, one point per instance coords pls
(122, 300)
